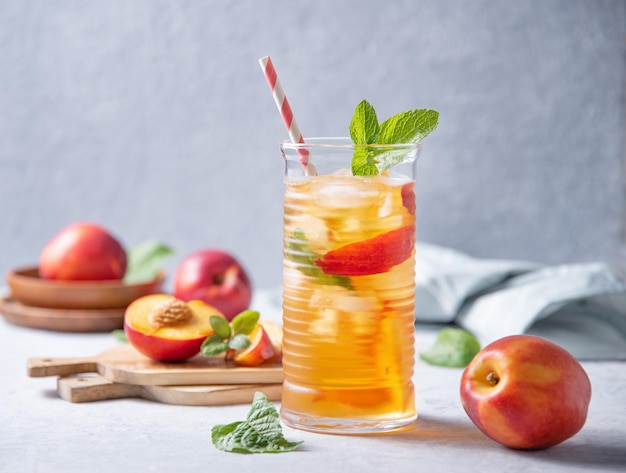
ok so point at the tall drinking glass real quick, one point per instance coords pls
(348, 289)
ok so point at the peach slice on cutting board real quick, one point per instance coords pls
(164, 328)
(259, 351)
(247, 341)
(275, 334)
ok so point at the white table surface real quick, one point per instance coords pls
(40, 432)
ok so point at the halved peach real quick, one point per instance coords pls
(260, 348)
(164, 328)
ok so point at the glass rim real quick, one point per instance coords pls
(344, 142)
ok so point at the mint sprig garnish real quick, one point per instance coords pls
(454, 347)
(230, 336)
(406, 127)
(261, 432)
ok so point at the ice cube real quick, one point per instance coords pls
(338, 192)
(343, 312)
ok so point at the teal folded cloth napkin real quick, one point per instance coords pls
(580, 306)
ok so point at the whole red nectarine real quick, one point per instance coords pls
(215, 277)
(526, 392)
(83, 252)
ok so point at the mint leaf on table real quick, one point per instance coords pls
(259, 433)
(454, 348)
(299, 251)
(145, 261)
(406, 127)
(120, 335)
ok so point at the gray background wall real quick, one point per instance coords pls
(153, 119)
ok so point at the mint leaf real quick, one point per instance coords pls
(364, 162)
(213, 346)
(364, 124)
(389, 157)
(245, 322)
(233, 335)
(220, 434)
(298, 251)
(373, 161)
(454, 347)
(120, 335)
(145, 261)
(259, 433)
(408, 127)
(239, 342)
(220, 326)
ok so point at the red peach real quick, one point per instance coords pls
(526, 392)
(215, 277)
(83, 252)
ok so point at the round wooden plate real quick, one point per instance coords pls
(31, 290)
(61, 320)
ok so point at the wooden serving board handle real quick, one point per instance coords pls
(94, 388)
(78, 389)
(41, 367)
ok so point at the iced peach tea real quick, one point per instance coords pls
(348, 302)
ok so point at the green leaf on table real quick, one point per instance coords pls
(259, 433)
(145, 261)
(454, 347)
(120, 335)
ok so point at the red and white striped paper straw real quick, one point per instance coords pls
(283, 106)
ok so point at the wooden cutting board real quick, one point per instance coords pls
(123, 364)
(96, 388)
